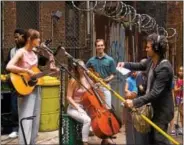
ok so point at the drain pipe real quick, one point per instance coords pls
(90, 25)
(93, 36)
(88, 18)
(2, 31)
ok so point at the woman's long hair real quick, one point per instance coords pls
(32, 34)
(76, 72)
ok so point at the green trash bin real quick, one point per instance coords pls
(50, 104)
(71, 132)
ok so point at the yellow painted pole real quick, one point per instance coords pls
(143, 116)
(160, 130)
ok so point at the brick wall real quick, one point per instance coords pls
(47, 30)
(9, 26)
(175, 20)
(161, 11)
(45, 23)
(155, 9)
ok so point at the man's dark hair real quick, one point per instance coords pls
(159, 43)
(21, 32)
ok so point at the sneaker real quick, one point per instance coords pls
(90, 129)
(173, 132)
(13, 135)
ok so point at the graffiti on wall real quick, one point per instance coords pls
(117, 44)
(118, 52)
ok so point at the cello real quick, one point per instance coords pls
(103, 121)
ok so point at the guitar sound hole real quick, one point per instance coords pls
(32, 82)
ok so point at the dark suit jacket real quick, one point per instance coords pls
(160, 94)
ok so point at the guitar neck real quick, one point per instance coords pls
(41, 74)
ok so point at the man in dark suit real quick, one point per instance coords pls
(158, 93)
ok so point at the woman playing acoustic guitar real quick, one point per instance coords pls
(29, 105)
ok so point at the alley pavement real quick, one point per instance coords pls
(53, 138)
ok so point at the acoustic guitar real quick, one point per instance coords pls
(24, 83)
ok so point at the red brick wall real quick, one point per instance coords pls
(175, 20)
(45, 24)
(9, 26)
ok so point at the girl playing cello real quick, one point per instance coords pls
(75, 109)
(103, 122)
